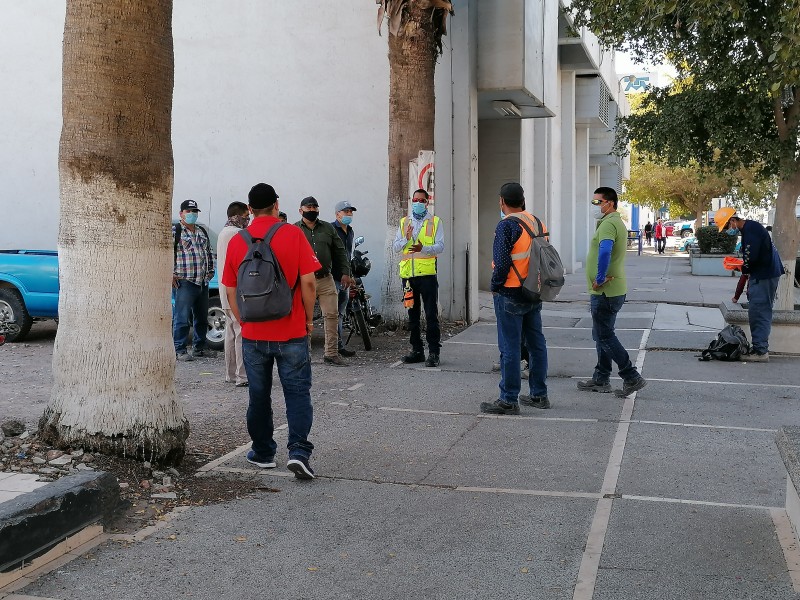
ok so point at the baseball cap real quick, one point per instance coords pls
(309, 201)
(262, 195)
(189, 205)
(343, 205)
(512, 192)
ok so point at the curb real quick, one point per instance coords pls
(36, 521)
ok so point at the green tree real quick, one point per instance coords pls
(415, 28)
(736, 101)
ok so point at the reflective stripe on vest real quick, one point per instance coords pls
(521, 251)
(414, 264)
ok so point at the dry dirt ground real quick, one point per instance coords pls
(215, 410)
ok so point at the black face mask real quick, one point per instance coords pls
(311, 215)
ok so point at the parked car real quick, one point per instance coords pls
(686, 243)
(682, 229)
(29, 292)
(669, 226)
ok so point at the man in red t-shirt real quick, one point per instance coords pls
(282, 341)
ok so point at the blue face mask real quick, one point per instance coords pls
(190, 218)
(418, 208)
(732, 231)
(347, 220)
(502, 214)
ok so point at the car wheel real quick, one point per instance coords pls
(12, 308)
(215, 335)
(686, 233)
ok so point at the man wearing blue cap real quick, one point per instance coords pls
(344, 217)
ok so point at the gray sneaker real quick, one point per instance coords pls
(184, 357)
(591, 385)
(755, 357)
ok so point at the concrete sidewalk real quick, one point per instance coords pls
(676, 492)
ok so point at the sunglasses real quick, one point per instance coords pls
(597, 202)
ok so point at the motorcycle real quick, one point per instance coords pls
(360, 316)
(7, 327)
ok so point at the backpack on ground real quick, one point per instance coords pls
(545, 270)
(731, 344)
(262, 292)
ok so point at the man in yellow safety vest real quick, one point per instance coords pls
(420, 240)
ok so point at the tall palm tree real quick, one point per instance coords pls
(113, 361)
(416, 28)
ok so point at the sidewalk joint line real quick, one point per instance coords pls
(521, 492)
(696, 502)
(776, 385)
(703, 426)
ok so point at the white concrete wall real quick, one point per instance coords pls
(30, 119)
(264, 91)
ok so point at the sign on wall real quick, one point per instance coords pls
(421, 177)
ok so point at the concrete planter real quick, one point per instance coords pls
(709, 264)
(785, 335)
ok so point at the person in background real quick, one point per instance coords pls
(194, 268)
(648, 233)
(238, 219)
(282, 217)
(762, 263)
(330, 251)
(344, 217)
(419, 240)
(661, 236)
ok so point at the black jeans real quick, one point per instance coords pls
(426, 286)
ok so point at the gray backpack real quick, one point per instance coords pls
(262, 292)
(545, 270)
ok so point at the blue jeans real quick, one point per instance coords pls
(604, 316)
(426, 286)
(344, 297)
(191, 302)
(759, 311)
(294, 370)
(517, 322)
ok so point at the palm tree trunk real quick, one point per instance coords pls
(412, 63)
(787, 237)
(114, 361)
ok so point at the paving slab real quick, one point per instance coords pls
(712, 465)
(695, 341)
(650, 542)
(509, 452)
(713, 404)
(346, 540)
(684, 366)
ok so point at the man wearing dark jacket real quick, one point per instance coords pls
(763, 264)
(331, 254)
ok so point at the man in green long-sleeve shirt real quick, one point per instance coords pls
(605, 278)
(332, 256)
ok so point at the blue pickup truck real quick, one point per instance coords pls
(29, 292)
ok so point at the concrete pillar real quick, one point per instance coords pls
(582, 194)
(566, 240)
(457, 165)
(499, 151)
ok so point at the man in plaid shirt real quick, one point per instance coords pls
(194, 268)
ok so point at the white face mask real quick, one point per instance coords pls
(597, 212)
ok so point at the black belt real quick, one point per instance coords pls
(321, 274)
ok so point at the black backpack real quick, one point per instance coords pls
(731, 344)
(262, 292)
